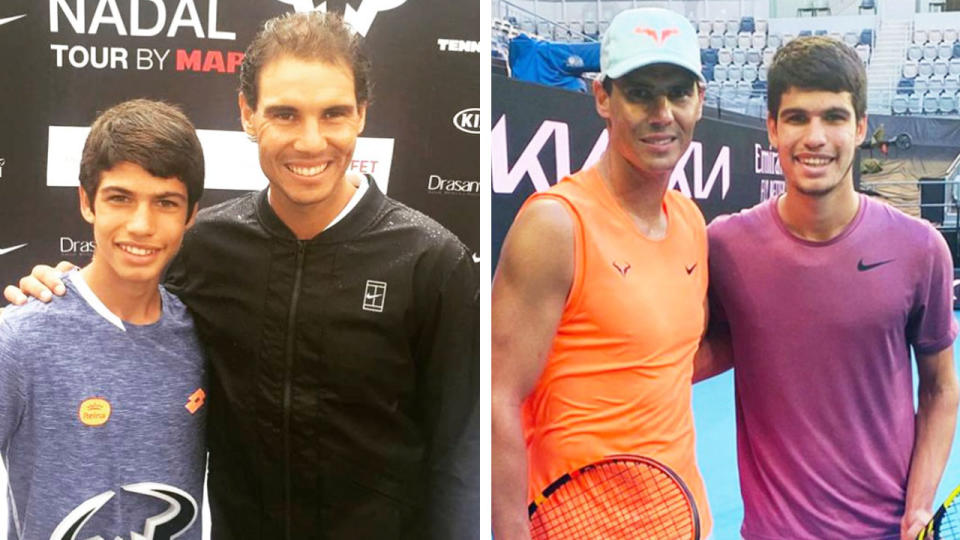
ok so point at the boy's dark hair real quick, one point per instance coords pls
(154, 135)
(817, 63)
(311, 35)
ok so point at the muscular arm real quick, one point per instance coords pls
(528, 295)
(715, 354)
(936, 420)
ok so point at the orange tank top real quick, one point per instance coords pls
(617, 379)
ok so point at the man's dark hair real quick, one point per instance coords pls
(152, 134)
(311, 35)
(817, 63)
(607, 82)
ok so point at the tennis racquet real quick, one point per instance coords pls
(945, 523)
(619, 497)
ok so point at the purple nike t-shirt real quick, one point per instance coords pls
(821, 336)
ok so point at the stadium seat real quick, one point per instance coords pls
(940, 67)
(930, 51)
(956, 50)
(710, 99)
(758, 40)
(716, 41)
(728, 91)
(945, 51)
(739, 56)
(756, 106)
(934, 36)
(753, 57)
(720, 73)
(950, 36)
(730, 41)
(866, 36)
(744, 89)
(920, 85)
(925, 68)
(851, 38)
(750, 72)
(865, 5)
(909, 69)
(767, 56)
(931, 103)
(704, 41)
(708, 57)
(863, 51)
(804, 33)
(835, 35)
(915, 103)
(707, 70)
(762, 73)
(935, 84)
(733, 27)
(919, 37)
(948, 103)
(899, 104)
(734, 72)
(914, 52)
(761, 26)
(725, 57)
(951, 84)
(591, 29)
(759, 89)
(905, 86)
(744, 40)
(820, 32)
(774, 41)
(954, 68)
(719, 27)
(748, 24)
(704, 27)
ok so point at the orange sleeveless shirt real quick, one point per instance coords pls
(617, 380)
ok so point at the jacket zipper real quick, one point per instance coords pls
(287, 390)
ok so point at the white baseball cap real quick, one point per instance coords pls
(645, 36)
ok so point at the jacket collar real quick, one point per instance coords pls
(357, 220)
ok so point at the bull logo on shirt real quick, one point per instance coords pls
(179, 516)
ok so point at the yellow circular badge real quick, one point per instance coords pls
(94, 411)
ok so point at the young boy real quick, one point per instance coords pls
(825, 291)
(102, 391)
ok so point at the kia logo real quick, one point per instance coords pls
(468, 120)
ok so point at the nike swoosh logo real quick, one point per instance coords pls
(864, 267)
(4, 251)
(690, 269)
(11, 19)
(372, 297)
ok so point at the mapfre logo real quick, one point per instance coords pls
(176, 519)
(449, 186)
(360, 19)
(468, 120)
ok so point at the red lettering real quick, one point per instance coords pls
(214, 62)
(188, 61)
(234, 59)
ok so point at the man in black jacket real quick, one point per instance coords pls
(341, 326)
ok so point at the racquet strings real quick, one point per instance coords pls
(615, 500)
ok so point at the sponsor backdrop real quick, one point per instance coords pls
(728, 166)
(66, 60)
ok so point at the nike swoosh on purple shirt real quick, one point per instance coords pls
(4, 251)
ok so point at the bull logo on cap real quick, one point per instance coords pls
(658, 37)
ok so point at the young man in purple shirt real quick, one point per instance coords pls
(823, 292)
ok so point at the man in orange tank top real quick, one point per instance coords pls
(598, 303)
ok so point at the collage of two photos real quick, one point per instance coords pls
(697, 282)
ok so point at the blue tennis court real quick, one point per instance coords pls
(713, 409)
